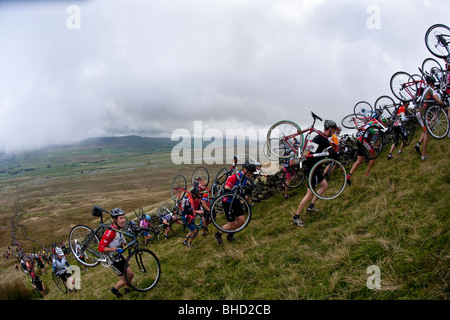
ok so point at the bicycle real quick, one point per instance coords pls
(201, 177)
(293, 176)
(385, 106)
(229, 203)
(286, 136)
(143, 262)
(437, 40)
(59, 281)
(221, 178)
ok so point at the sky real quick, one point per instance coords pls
(71, 70)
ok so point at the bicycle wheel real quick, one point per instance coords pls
(433, 68)
(293, 177)
(403, 86)
(88, 243)
(268, 153)
(178, 187)
(146, 269)
(437, 39)
(201, 176)
(436, 121)
(408, 132)
(333, 172)
(372, 142)
(385, 106)
(352, 121)
(179, 227)
(282, 138)
(363, 108)
(219, 182)
(59, 283)
(230, 213)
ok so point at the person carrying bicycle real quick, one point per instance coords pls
(320, 143)
(145, 223)
(37, 283)
(235, 216)
(428, 98)
(111, 244)
(60, 265)
(398, 128)
(206, 206)
(191, 208)
(360, 154)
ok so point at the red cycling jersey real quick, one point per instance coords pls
(111, 239)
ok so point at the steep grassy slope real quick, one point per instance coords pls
(396, 219)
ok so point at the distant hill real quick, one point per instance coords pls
(132, 141)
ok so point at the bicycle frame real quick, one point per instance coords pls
(102, 225)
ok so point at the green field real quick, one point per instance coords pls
(396, 219)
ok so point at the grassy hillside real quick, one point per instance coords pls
(396, 219)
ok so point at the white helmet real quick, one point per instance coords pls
(59, 252)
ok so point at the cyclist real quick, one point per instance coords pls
(206, 205)
(335, 139)
(37, 283)
(40, 263)
(235, 219)
(111, 244)
(165, 220)
(359, 144)
(398, 128)
(425, 101)
(319, 143)
(145, 223)
(60, 265)
(191, 207)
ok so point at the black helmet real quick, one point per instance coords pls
(249, 166)
(330, 124)
(116, 212)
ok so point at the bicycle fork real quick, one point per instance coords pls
(140, 264)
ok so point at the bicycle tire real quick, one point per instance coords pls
(437, 122)
(219, 182)
(435, 42)
(179, 227)
(408, 133)
(146, 269)
(384, 105)
(59, 283)
(403, 86)
(352, 121)
(81, 234)
(363, 108)
(219, 207)
(200, 175)
(178, 187)
(276, 141)
(373, 142)
(296, 179)
(333, 172)
(433, 68)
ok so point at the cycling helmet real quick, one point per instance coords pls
(148, 217)
(249, 166)
(59, 252)
(330, 124)
(116, 212)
